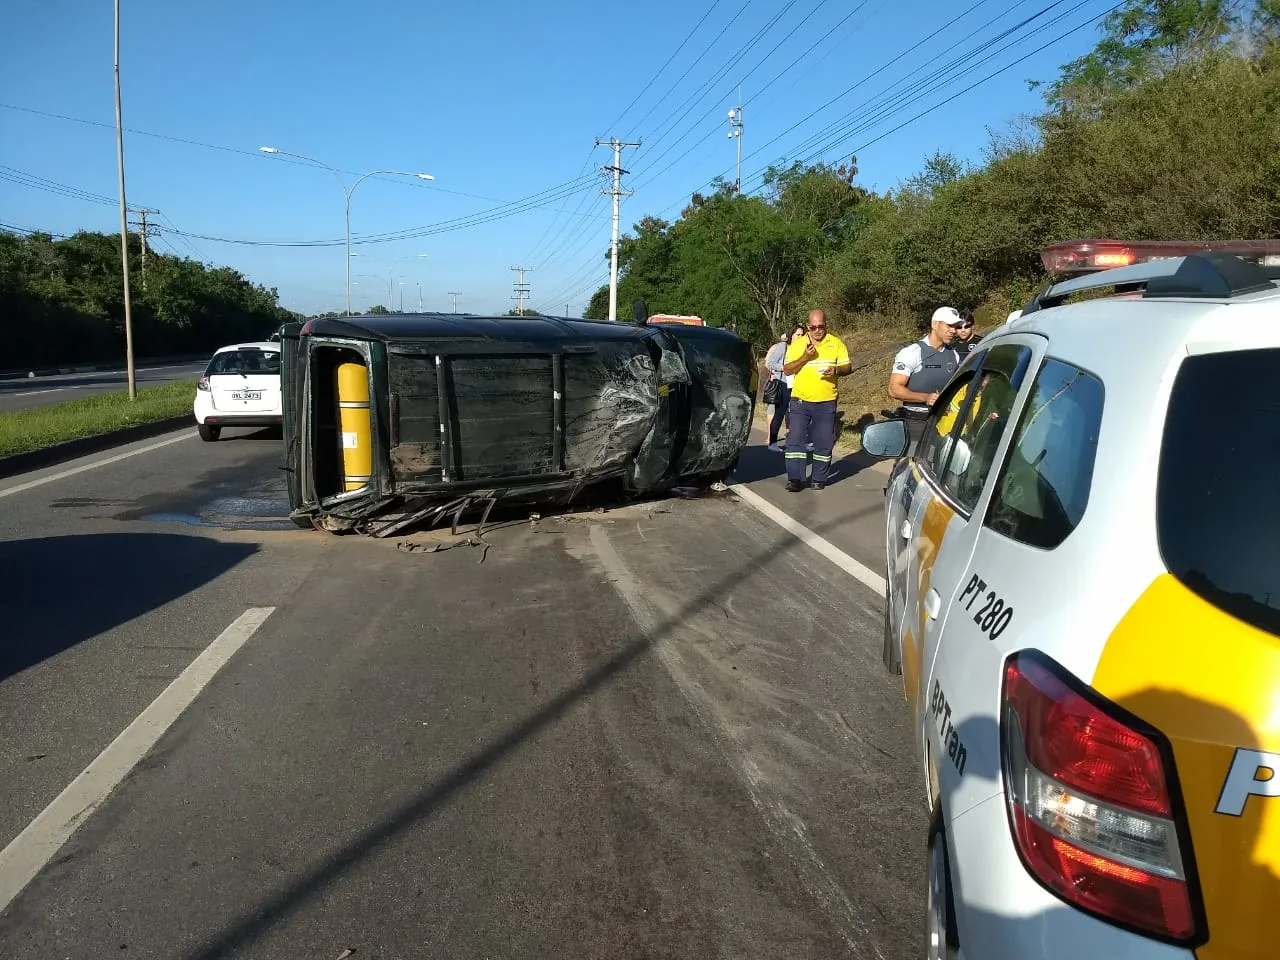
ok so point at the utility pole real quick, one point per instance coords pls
(617, 193)
(455, 300)
(124, 221)
(522, 291)
(735, 133)
(142, 232)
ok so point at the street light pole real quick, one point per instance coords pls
(124, 221)
(347, 191)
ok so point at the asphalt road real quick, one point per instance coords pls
(661, 730)
(42, 391)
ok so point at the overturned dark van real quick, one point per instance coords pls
(395, 421)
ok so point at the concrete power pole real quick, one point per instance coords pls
(522, 291)
(617, 193)
(455, 300)
(142, 233)
(124, 221)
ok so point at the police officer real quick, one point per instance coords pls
(922, 369)
(966, 339)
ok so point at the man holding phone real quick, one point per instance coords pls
(815, 361)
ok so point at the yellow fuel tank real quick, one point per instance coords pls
(355, 421)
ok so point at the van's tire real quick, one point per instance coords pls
(207, 432)
(942, 941)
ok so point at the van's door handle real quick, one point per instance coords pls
(906, 530)
(933, 603)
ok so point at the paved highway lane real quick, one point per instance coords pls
(658, 730)
(43, 391)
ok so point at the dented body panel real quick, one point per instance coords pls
(473, 409)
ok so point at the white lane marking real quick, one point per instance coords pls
(31, 484)
(825, 547)
(33, 393)
(35, 846)
(789, 829)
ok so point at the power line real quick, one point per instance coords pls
(652, 79)
(927, 83)
(994, 73)
(444, 226)
(226, 149)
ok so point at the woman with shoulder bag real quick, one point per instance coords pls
(778, 389)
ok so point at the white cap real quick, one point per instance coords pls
(948, 315)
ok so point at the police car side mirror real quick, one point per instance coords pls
(888, 438)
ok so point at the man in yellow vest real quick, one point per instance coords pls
(815, 361)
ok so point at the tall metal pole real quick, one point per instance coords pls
(617, 193)
(735, 131)
(124, 221)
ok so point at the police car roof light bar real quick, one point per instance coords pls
(1213, 275)
(1088, 256)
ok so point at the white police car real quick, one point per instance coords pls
(240, 388)
(1083, 565)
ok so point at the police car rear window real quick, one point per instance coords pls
(1217, 520)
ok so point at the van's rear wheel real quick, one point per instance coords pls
(941, 939)
(208, 432)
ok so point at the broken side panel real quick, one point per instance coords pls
(721, 404)
(661, 448)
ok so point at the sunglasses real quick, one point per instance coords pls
(964, 326)
(821, 326)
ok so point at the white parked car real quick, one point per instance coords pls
(1083, 566)
(240, 388)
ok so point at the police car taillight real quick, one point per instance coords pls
(1089, 256)
(202, 383)
(1090, 805)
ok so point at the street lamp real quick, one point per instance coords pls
(347, 191)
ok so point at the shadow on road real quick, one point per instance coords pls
(240, 933)
(60, 591)
(758, 463)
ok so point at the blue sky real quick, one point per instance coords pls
(500, 101)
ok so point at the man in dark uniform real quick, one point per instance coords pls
(922, 369)
(965, 340)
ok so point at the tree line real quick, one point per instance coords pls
(1169, 129)
(62, 302)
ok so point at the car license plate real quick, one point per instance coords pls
(247, 395)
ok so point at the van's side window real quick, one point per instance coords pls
(1043, 490)
(982, 423)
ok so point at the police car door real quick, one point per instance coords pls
(912, 549)
(962, 469)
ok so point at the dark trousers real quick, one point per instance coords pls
(779, 411)
(810, 423)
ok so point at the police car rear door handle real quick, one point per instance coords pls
(933, 603)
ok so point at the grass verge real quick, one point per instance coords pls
(27, 430)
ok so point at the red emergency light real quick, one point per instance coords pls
(1089, 256)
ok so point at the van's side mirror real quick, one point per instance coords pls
(640, 312)
(885, 439)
